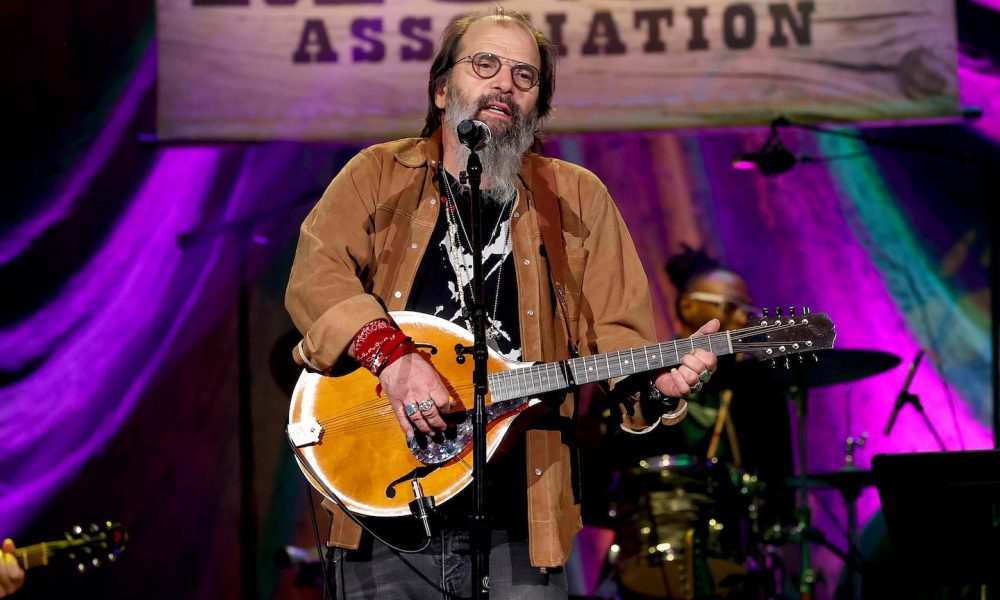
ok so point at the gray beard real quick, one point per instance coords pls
(502, 157)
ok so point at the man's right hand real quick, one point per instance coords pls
(410, 382)
(11, 573)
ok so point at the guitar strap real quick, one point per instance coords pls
(547, 202)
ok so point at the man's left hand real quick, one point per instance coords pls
(695, 369)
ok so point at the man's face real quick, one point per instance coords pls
(721, 295)
(496, 101)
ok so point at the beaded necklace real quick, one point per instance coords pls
(455, 223)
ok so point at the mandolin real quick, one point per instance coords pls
(349, 444)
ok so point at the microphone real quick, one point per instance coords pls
(903, 394)
(474, 134)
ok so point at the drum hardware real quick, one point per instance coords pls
(828, 367)
(850, 501)
(849, 481)
(852, 445)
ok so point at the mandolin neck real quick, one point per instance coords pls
(556, 376)
(38, 555)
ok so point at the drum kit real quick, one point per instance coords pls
(689, 528)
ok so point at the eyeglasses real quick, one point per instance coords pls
(486, 65)
(724, 304)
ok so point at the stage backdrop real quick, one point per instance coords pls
(355, 69)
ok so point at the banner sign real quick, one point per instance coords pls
(358, 69)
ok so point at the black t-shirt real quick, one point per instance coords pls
(436, 288)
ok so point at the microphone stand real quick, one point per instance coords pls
(480, 533)
(913, 399)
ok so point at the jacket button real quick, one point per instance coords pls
(398, 294)
(413, 245)
(516, 214)
(526, 262)
(531, 313)
(538, 471)
(433, 201)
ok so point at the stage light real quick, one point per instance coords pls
(772, 158)
(771, 161)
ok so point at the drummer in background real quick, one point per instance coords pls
(756, 433)
(737, 418)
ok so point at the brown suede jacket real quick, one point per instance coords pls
(358, 253)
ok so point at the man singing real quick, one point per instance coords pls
(391, 233)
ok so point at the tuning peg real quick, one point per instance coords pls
(788, 364)
(805, 310)
(112, 557)
(81, 568)
(96, 561)
(77, 530)
(777, 311)
(764, 312)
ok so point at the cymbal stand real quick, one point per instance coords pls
(807, 576)
(850, 494)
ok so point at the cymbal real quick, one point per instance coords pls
(823, 367)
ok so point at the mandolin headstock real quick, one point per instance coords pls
(768, 338)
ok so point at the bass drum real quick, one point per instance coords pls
(683, 529)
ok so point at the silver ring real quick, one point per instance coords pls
(696, 387)
(704, 375)
(426, 405)
(411, 409)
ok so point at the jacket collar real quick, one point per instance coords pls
(426, 151)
